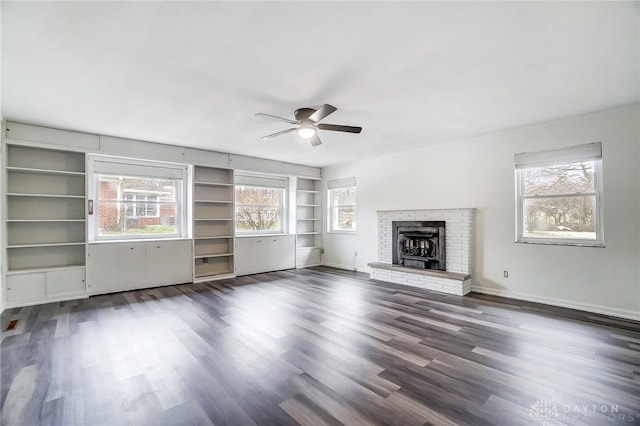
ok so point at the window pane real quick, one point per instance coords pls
(344, 196)
(115, 219)
(570, 178)
(343, 209)
(345, 218)
(254, 218)
(560, 217)
(111, 187)
(259, 208)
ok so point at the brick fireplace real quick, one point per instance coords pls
(420, 235)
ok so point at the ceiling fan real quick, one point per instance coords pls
(307, 123)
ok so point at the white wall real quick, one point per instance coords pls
(479, 173)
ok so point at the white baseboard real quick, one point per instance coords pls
(598, 309)
(365, 269)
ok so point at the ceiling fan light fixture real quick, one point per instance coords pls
(307, 123)
(306, 132)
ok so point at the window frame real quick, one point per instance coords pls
(332, 186)
(555, 158)
(262, 181)
(145, 169)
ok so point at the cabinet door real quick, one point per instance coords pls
(250, 255)
(132, 266)
(281, 252)
(102, 268)
(307, 256)
(66, 282)
(26, 287)
(169, 262)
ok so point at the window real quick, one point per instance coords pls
(141, 205)
(136, 199)
(558, 196)
(342, 205)
(260, 204)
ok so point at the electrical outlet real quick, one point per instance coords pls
(506, 274)
(321, 251)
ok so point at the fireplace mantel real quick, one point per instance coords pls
(459, 246)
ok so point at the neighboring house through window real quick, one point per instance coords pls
(260, 204)
(342, 205)
(559, 196)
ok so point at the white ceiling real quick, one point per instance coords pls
(410, 74)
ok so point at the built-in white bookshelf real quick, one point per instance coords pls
(308, 222)
(213, 223)
(45, 223)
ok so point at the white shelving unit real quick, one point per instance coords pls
(308, 222)
(213, 223)
(45, 224)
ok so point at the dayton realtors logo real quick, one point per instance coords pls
(545, 410)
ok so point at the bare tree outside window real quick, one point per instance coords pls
(259, 208)
(559, 201)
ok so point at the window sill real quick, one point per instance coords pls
(564, 243)
(343, 232)
(138, 240)
(281, 234)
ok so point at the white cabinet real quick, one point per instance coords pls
(169, 263)
(26, 287)
(132, 266)
(102, 268)
(46, 285)
(264, 254)
(113, 267)
(66, 282)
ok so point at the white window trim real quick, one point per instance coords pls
(340, 184)
(587, 152)
(128, 166)
(263, 181)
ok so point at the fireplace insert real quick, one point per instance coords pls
(419, 244)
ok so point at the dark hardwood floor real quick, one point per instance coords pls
(315, 346)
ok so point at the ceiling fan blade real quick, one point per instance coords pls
(322, 112)
(339, 128)
(277, 118)
(273, 135)
(315, 140)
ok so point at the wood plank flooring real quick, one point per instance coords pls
(315, 347)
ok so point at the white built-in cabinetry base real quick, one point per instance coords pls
(122, 266)
(24, 288)
(265, 253)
